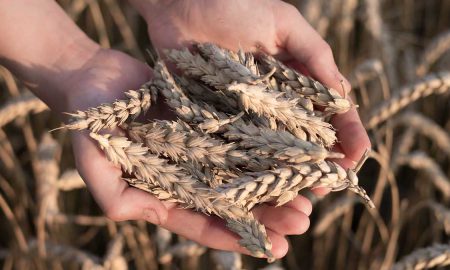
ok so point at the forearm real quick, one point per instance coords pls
(42, 46)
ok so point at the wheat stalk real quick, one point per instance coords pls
(437, 255)
(107, 116)
(438, 83)
(135, 159)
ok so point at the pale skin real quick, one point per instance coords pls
(67, 70)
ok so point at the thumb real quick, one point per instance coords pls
(104, 181)
(308, 48)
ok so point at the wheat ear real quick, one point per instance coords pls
(421, 161)
(135, 159)
(206, 117)
(432, 52)
(437, 255)
(179, 141)
(280, 145)
(427, 127)
(195, 66)
(270, 105)
(284, 183)
(307, 87)
(438, 83)
(111, 115)
(20, 106)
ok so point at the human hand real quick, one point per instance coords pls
(272, 26)
(102, 79)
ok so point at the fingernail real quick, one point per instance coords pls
(345, 84)
(151, 216)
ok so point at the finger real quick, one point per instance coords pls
(282, 220)
(118, 201)
(321, 191)
(299, 203)
(352, 136)
(211, 231)
(305, 45)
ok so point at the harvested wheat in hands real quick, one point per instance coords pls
(251, 130)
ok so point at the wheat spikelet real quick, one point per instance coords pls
(437, 255)
(179, 141)
(437, 47)
(427, 127)
(307, 87)
(255, 98)
(302, 125)
(135, 159)
(438, 83)
(194, 65)
(20, 106)
(421, 161)
(229, 65)
(279, 145)
(284, 183)
(206, 117)
(108, 116)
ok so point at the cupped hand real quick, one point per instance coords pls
(273, 26)
(104, 78)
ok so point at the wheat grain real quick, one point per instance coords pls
(177, 141)
(109, 116)
(437, 255)
(308, 87)
(438, 83)
(279, 145)
(205, 117)
(254, 97)
(283, 184)
(302, 125)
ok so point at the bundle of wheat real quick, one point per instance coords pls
(260, 138)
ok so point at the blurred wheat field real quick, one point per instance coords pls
(397, 57)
